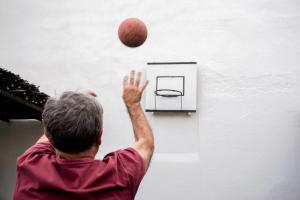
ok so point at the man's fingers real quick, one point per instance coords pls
(132, 73)
(125, 81)
(145, 83)
(138, 79)
(134, 80)
(89, 93)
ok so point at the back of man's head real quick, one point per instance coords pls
(73, 121)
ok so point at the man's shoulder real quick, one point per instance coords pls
(35, 152)
(124, 153)
(128, 160)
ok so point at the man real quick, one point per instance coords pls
(61, 164)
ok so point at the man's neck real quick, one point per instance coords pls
(91, 153)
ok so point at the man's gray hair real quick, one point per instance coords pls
(73, 121)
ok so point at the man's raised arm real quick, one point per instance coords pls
(132, 93)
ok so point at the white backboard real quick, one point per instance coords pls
(172, 87)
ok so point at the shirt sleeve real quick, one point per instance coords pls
(40, 148)
(133, 165)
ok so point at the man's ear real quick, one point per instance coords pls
(44, 137)
(48, 135)
(99, 136)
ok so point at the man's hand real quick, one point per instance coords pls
(132, 94)
(132, 91)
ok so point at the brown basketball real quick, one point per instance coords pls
(132, 32)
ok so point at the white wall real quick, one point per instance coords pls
(242, 144)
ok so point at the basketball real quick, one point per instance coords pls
(132, 32)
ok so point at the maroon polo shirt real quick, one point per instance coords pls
(42, 174)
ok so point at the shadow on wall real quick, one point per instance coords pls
(15, 138)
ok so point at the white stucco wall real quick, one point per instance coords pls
(244, 141)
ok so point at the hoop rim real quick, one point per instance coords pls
(176, 93)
